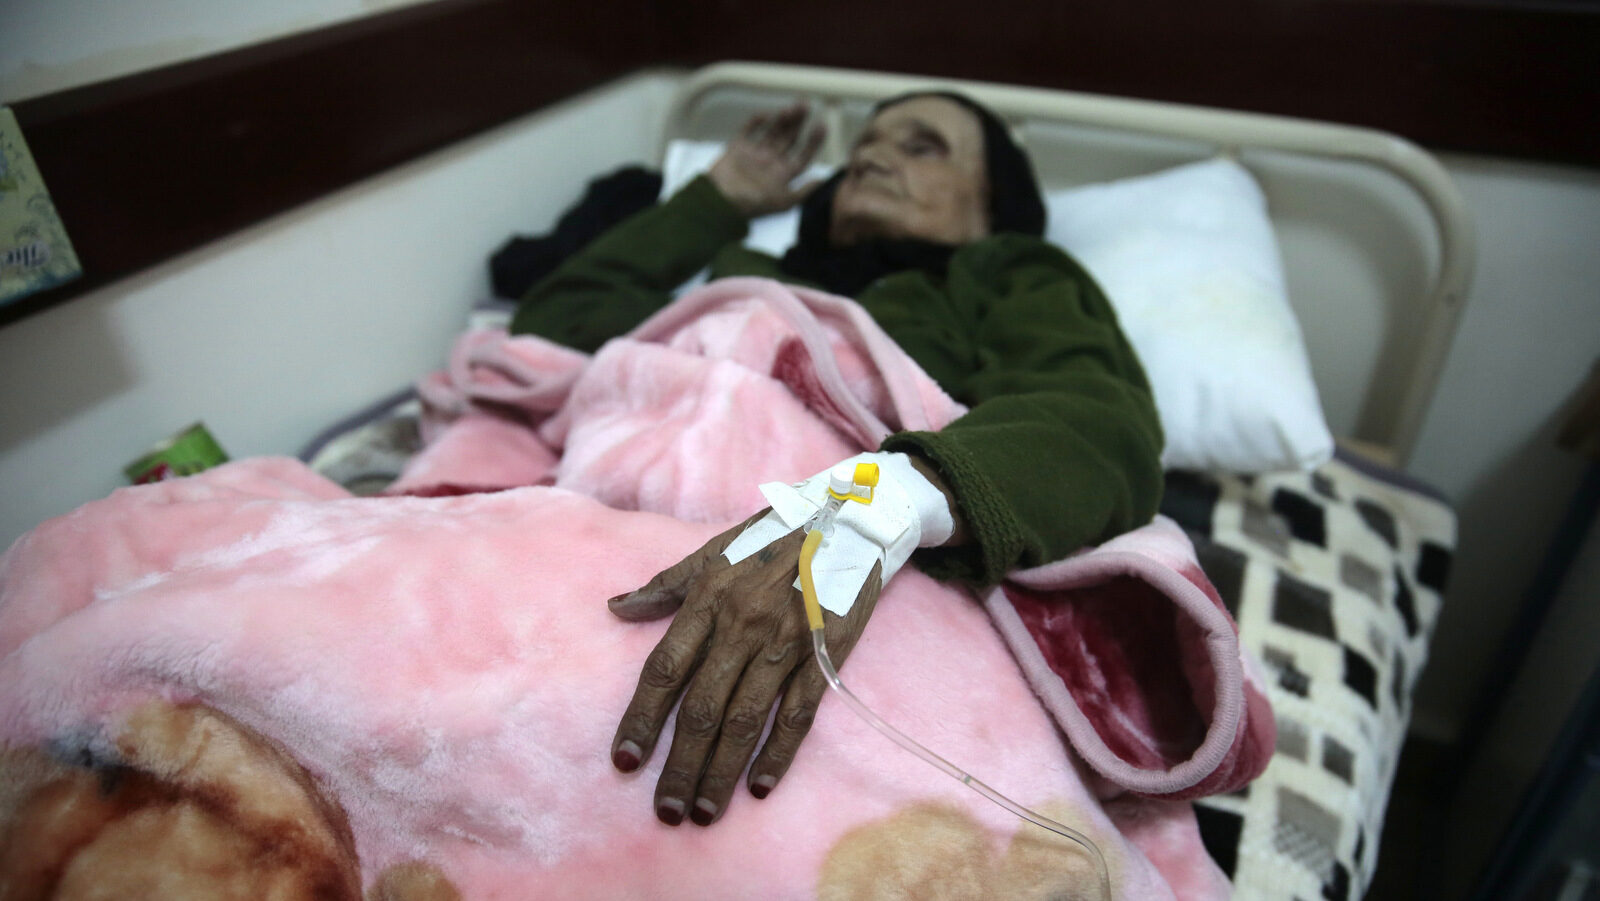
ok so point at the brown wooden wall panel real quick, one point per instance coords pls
(148, 166)
(1499, 80)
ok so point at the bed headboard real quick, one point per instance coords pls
(1376, 242)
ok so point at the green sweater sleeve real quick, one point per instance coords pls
(628, 273)
(1061, 447)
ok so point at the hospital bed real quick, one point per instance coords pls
(1335, 574)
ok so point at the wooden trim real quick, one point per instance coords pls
(1493, 79)
(145, 167)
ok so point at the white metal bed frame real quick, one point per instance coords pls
(1381, 407)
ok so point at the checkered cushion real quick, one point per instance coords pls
(1335, 578)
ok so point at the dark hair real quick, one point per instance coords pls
(1014, 206)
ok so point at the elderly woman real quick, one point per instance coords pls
(933, 227)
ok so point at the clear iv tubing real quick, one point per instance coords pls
(814, 617)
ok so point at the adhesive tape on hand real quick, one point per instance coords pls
(906, 512)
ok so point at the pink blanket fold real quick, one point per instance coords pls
(446, 668)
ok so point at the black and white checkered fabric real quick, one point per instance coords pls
(1335, 578)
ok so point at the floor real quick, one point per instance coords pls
(1408, 855)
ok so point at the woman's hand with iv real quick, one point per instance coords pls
(755, 170)
(738, 645)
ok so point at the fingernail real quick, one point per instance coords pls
(626, 757)
(762, 786)
(670, 811)
(704, 812)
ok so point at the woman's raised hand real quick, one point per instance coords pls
(755, 170)
(738, 646)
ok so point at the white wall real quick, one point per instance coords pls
(275, 332)
(51, 45)
(1528, 335)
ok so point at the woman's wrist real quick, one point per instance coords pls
(738, 199)
(958, 534)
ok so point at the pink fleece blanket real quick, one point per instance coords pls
(445, 666)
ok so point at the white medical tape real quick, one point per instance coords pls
(906, 512)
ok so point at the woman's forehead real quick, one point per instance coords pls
(957, 124)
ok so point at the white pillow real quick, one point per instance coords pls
(1188, 258)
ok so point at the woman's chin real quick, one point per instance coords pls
(859, 229)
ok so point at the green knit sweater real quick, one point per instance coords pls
(1061, 446)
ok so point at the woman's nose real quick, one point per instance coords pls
(870, 159)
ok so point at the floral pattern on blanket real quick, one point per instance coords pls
(1335, 578)
(444, 667)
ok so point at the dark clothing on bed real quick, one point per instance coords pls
(1061, 447)
(521, 262)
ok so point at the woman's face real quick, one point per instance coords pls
(916, 172)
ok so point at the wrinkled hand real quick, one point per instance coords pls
(755, 170)
(739, 642)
